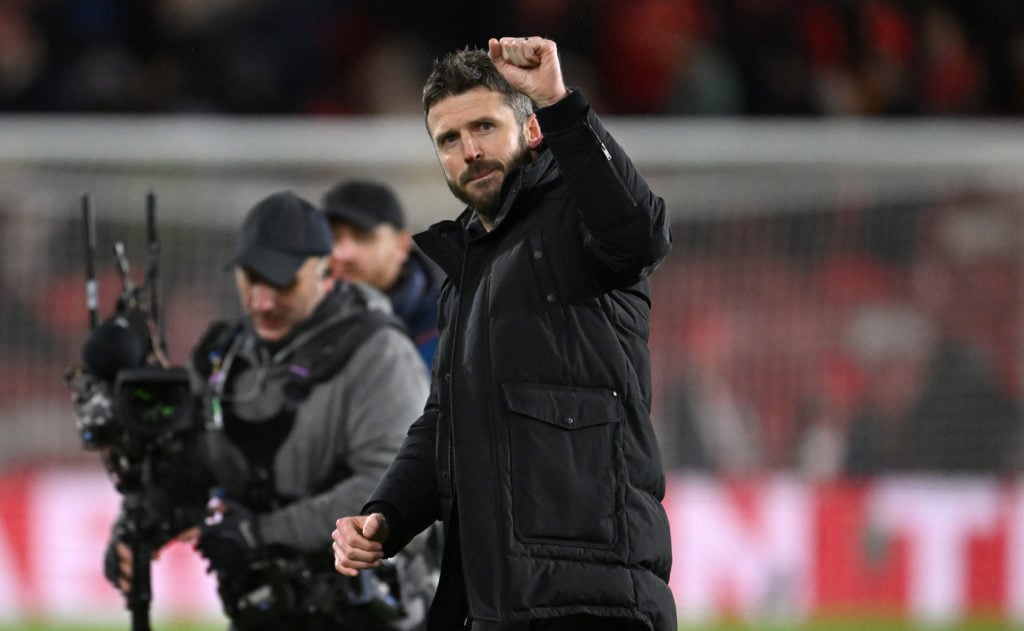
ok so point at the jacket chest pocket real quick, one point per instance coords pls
(565, 446)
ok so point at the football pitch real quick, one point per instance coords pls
(862, 624)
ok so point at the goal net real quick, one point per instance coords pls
(841, 297)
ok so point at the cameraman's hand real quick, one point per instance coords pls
(189, 536)
(229, 536)
(117, 565)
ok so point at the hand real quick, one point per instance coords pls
(530, 65)
(117, 565)
(160, 514)
(229, 536)
(358, 543)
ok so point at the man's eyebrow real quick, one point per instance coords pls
(472, 123)
(442, 133)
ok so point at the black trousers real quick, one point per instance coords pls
(579, 622)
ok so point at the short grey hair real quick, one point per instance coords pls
(466, 69)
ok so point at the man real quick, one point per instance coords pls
(372, 245)
(535, 447)
(305, 401)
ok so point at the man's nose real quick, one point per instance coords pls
(470, 149)
(263, 297)
(344, 250)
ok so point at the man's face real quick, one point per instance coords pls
(478, 143)
(372, 256)
(275, 311)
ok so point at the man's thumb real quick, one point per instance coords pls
(371, 527)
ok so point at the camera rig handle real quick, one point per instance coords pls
(139, 595)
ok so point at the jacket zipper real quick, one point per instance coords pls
(454, 327)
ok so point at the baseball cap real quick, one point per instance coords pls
(278, 235)
(364, 204)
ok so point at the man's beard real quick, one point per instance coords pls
(488, 203)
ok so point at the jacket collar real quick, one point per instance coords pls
(445, 241)
(521, 185)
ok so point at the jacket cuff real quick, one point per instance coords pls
(564, 113)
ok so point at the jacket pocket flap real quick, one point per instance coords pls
(565, 407)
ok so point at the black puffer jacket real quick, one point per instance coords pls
(537, 430)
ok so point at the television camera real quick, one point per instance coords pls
(131, 405)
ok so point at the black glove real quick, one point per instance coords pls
(112, 565)
(145, 523)
(229, 537)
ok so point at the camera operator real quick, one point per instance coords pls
(304, 403)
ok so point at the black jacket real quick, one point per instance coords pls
(536, 446)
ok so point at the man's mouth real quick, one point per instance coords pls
(349, 274)
(268, 322)
(478, 174)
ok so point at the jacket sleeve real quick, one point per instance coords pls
(373, 400)
(408, 495)
(627, 229)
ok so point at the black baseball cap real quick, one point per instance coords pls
(278, 235)
(364, 204)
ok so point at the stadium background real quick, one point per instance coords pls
(845, 185)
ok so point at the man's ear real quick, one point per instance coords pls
(404, 238)
(533, 134)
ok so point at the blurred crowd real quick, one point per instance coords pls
(668, 57)
(848, 343)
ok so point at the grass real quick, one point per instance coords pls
(126, 626)
(861, 624)
(845, 624)
(119, 624)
